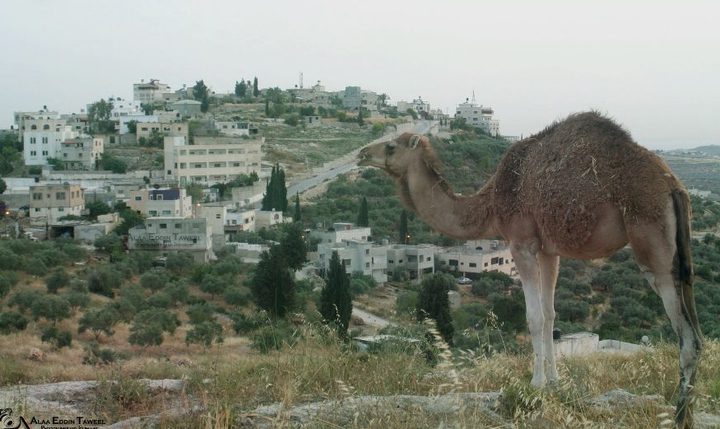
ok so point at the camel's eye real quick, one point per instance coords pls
(390, 148)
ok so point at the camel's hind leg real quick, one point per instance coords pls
(657, 251)
(548, 278)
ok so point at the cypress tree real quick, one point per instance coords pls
(273, 287)
(434, 303)
(335, 299)
(362, 219)
(297, 216)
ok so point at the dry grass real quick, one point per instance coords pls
(230, 380)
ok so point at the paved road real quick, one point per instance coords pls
(370, 319)
(331, 170)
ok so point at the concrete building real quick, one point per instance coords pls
(352, 98)
(211, 159)
(418, 105)
(161, 236)
(53, 201)
(186, 108)
(478, 117)
(161, 202)
(358, 256)
(173, 129)
(478, 256)
(411, 261)
(42, 136)
(236, 128)
(80, 153)
(149, 92)
(342, 231)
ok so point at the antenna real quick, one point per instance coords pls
(301, 80)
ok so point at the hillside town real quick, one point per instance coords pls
(72, 181)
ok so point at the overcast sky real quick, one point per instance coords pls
(652, 65)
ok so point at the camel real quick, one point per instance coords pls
(581, 188)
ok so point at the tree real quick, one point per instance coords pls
(51, 307)
(275, 197)
(293, 246)
(57, 279)
(99, 114)
(434, 303)
(99, 321)
(404, 236)
(149, 325)
(297, 216)
(335, 299)
(201, 93)
(97, 208)
(272, 285)
(241, 88)
(256, 90)
(362, 219)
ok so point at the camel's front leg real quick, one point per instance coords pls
(526, 261)
(548, 279)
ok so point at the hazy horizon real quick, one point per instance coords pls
(653, 66)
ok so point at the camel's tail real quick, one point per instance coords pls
(683, 273)
(684, 268)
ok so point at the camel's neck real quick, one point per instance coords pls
(465, 218)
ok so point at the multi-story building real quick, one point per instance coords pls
(80, 153)
(411, 261)
(174, 129)
(358, 257)
(53, 201)
(418, 105)
(478, 116)
(478, 256)
(235, 128)
(211, 159)
(42, 136)
(148, 92)
(342, 231)
(161, 202)
(161, 236)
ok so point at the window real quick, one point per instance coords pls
(163, 226)
(59, 195)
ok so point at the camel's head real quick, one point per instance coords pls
(395, 156)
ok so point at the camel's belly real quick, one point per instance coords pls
(604, 238)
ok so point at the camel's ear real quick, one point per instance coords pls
(414, 140)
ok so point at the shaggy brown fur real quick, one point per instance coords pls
(562, 174)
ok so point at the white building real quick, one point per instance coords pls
(161, 236)
(411, 260)
(42, 135)
(478, 117)
(358, 257)
(167, 202)
(478, 256)
(149, 92)
(418, 105)
(211, 159)
(53, 201)
(80, 153)
(342, 231)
